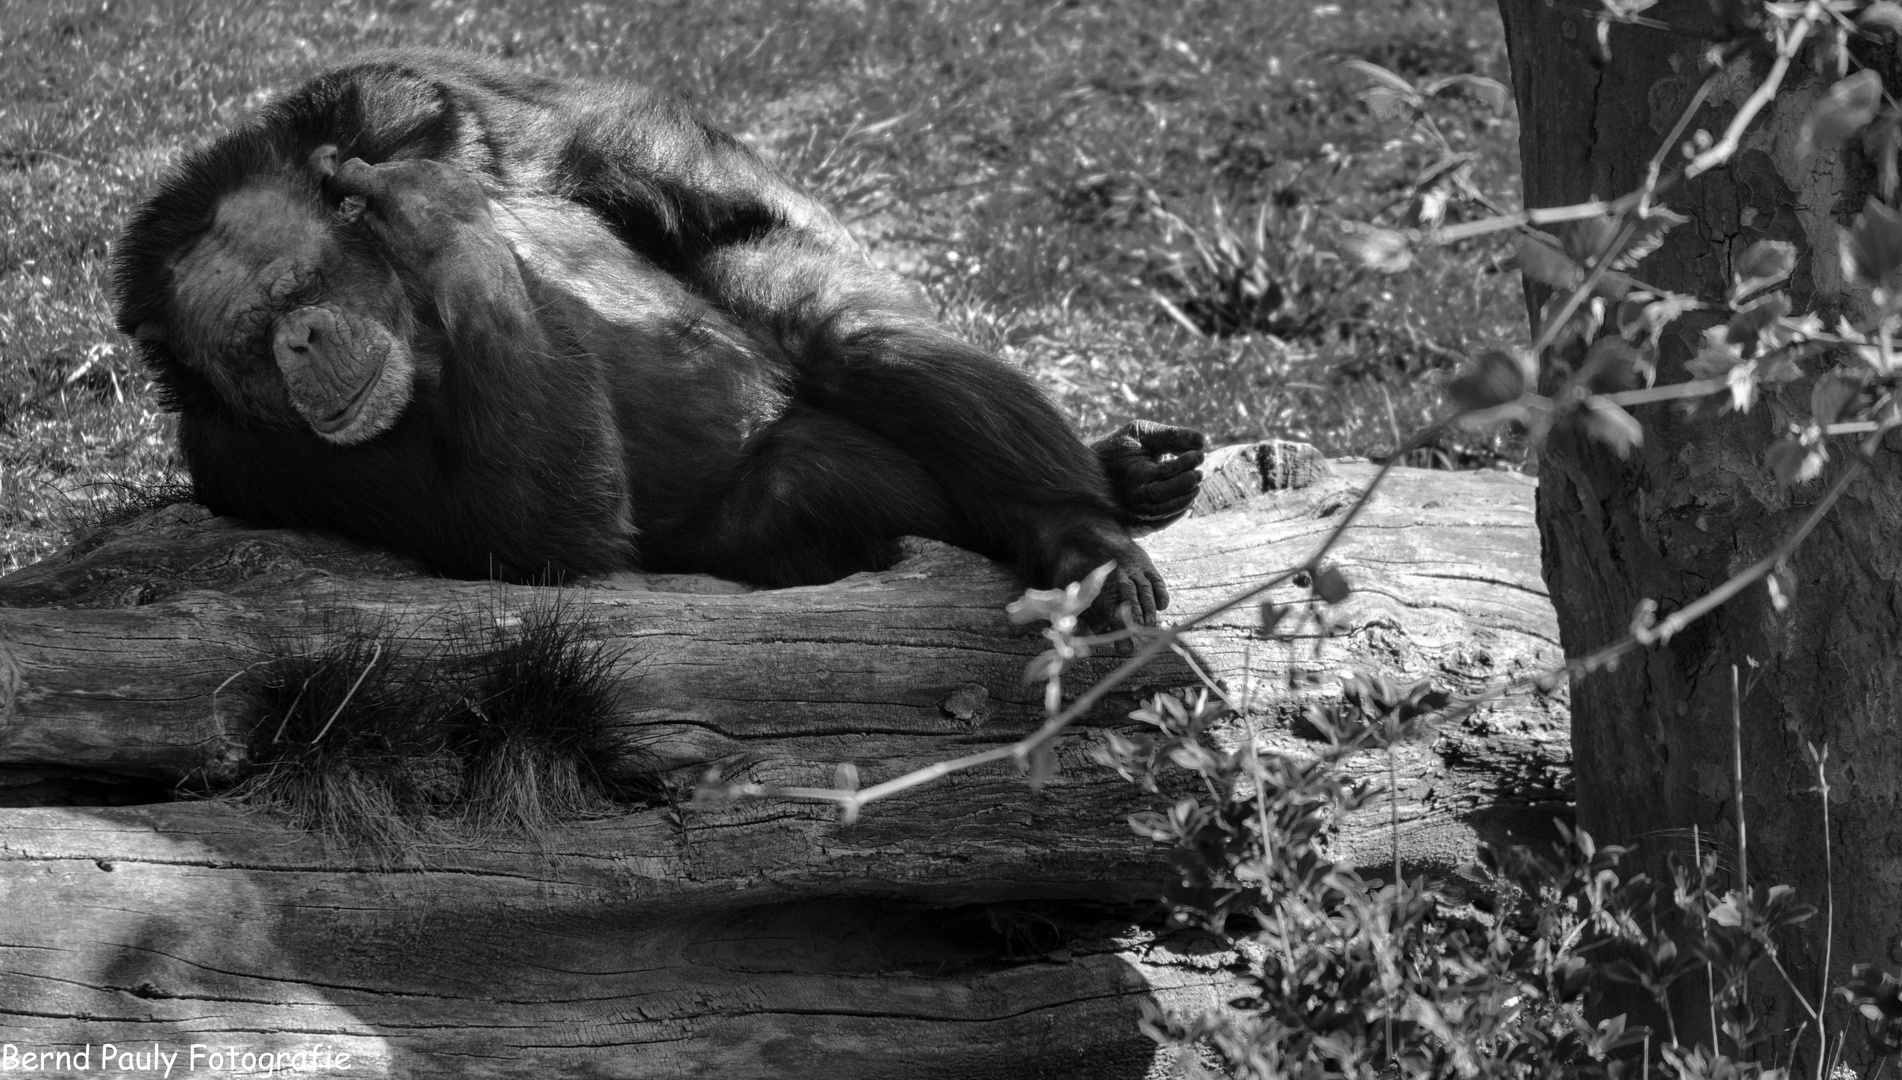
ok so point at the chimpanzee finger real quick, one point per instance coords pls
(1161, 588)
(359, 177)
(1167, 438)
(1145, 590)
(1165, 512)
(1162, 489)
(1181, 463)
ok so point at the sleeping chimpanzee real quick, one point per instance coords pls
(522, 328)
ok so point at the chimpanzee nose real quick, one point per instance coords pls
(300, 338)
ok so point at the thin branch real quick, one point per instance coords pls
(1695, 610)
(1733, 135)
(1656, 165)
(1794, 992)
(851, 802)
(1829, 913)
(1693, 388)
(1737, 779)
(1601, 264)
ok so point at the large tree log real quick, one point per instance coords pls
(956, 929)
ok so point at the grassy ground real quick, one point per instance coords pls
(1041, 167)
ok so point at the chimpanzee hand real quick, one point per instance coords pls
(419, 210)
(1135, 585)
(1153, 492)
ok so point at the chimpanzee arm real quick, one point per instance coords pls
(1029, 488)
(524, 438)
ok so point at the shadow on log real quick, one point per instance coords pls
(967, 928)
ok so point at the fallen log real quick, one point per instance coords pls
(967, 927)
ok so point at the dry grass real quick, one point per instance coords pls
(1040, 168)
(402, 748)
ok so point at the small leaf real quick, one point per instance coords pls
(1494, 378)
(1546, 264)
(1389, 104)
(1750, 323)
(1763, 264)
(1060, 607)
(1584, 323)
(1882, 142)
(1046, 666)
(1829, 52)
(1648, 237)
(1586, 239)
(1716, 357)
(1383, 251)
(1034, 605)
(1380, 75)
(1830, 395)
(1742, 381)
(1727, 913)
(1611, 425)
(1428, 208)
(1331, 585)
(1880, 16)
(1778, 369)
(1649, 317)
(1782, 588)
(1848, 107)
(1489, 92)
(1151, 824)
(1872, 249)
(845, 776)
(1613, 364)
(1613, 285)
(1793, 462)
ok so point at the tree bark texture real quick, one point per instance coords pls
(1694, 504)
(964, 928)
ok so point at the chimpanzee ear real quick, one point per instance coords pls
(149, 331)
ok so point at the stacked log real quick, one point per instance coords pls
(969, 927)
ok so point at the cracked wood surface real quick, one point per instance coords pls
(758, 939)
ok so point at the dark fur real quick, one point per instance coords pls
(786, 413)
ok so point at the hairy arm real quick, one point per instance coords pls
(523, 430)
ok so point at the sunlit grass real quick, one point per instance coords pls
(1024, 162)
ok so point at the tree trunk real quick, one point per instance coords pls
(966, 928)
(1653, 738)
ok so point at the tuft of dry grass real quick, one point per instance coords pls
(404, 748)
(1039, 168)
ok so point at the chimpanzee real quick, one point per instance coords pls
(519, 327)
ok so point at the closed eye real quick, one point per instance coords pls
(308, 290)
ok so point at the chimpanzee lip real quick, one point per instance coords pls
(345, 416)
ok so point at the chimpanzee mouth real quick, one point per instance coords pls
(346, 416)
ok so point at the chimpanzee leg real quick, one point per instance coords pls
(815, 498)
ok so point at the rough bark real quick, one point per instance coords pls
(1652, 741)
(959, 929)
